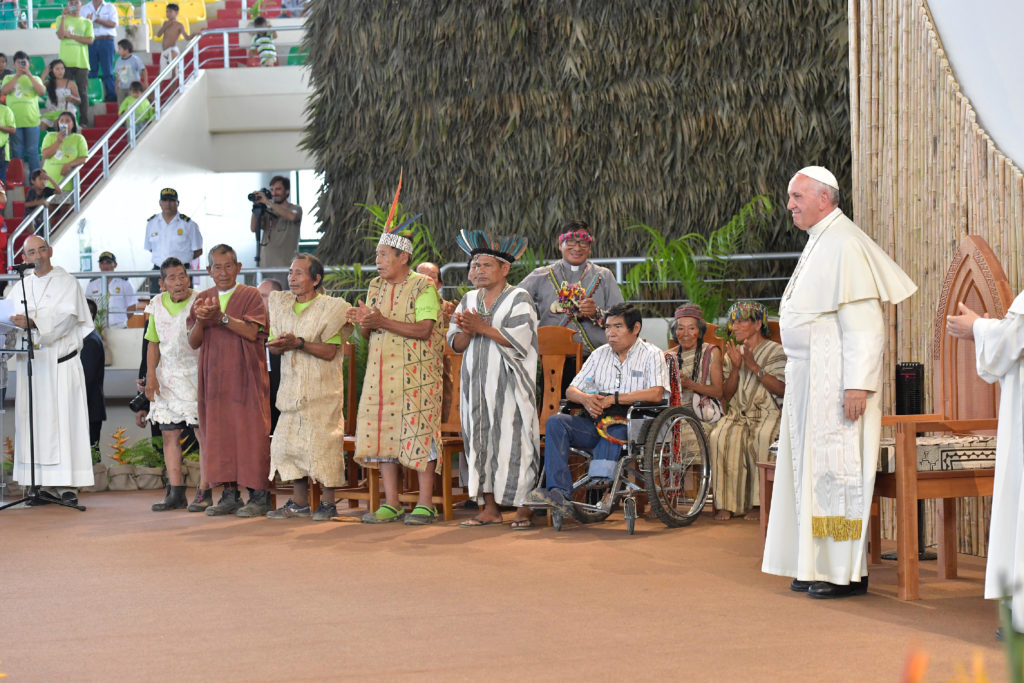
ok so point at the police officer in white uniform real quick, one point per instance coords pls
(170, 233)
(121, 294)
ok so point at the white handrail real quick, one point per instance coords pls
(126, 128)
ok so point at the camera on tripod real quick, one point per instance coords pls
(255, 197)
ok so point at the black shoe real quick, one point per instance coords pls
(69, 498)
(174, 499)
(203, 500)
(230, 502)
(800, 586)
(258, 505)
(824, 589)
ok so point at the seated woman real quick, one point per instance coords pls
(694, 366)
(754, 386)
(64, 150)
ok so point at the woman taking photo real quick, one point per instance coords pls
(23, 90)
(64, 150)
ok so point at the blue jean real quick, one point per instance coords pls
(25, 146)
(101, 53)
(564, 431)
(3, 172)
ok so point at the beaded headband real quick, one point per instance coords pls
(748, 310)
(579, 235)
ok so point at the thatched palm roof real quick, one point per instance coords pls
(515, 116)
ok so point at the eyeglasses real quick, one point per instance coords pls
(572, 244)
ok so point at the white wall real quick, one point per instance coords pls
(982, 42)
(184, 152)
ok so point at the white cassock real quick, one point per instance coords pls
(999, 346)
(833, 333)
(57, 306)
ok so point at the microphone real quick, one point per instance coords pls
(20, 268)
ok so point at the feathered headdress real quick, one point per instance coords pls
(392, 236)
(507, 248)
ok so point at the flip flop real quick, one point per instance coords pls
(522, 524)
(384, 514)
(476, 522)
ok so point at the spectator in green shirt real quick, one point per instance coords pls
(75, 33)
(64, 150)
(7, 129)
(23, 90)
(145, 111)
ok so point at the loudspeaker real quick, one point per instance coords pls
(909, 388)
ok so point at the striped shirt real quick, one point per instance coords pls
(643, 368)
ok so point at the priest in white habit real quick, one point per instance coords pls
(833, 334)
(494, 327)
(58, 320)
(999, 348)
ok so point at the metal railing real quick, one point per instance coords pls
(122, 137)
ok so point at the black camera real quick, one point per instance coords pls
(140, 403)
(254, 197)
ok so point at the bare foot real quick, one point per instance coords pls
(723, 516)
(753, 516)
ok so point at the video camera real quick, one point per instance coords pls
(254, 197)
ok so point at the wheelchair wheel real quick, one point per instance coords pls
(578, 467)
(677, 467)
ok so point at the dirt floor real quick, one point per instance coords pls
(121, 593)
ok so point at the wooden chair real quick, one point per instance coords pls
(964, 404)
(348, 352)
(554, 345)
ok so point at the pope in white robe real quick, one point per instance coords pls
(999, 349)
(59, 318)
(833, 334)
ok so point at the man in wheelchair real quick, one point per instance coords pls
(624, 371)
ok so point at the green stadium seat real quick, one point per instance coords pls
(297, 56)
(95, 90)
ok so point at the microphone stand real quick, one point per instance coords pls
(33, 496)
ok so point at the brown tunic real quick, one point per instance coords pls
(234, 395)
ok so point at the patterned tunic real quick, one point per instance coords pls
(742, 437)
(400, 408)
(178, 369)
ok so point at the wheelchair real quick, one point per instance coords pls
(665, 456)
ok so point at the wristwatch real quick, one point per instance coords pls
(760, 373)
(224, 319)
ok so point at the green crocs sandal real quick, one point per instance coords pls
(421, 515)
(384, 514)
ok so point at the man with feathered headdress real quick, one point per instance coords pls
(495, 329)
(399, 420)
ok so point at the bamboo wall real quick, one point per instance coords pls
(924, 174)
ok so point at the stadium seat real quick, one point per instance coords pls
(297, 56)
(95, 90)
(193, 10)
(15, 174)
(36, 64)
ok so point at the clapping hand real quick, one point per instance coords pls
(471, 322)
(367, 317)
(735, 353)
(207, 310)
(286, 342)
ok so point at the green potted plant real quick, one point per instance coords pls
(190, 464)
(149, 462)
(693, 267)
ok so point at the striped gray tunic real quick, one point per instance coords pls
(499, 399)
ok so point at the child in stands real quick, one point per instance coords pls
(61, 94)
(38, 193)
(170, 32)
(144, 113)
(128, 69)
(263, 43)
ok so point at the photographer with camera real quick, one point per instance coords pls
(64, 150)
(276, 222)
(23, 91)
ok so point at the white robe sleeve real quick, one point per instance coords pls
(863, 336)
(453, 329)
(998, 345)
